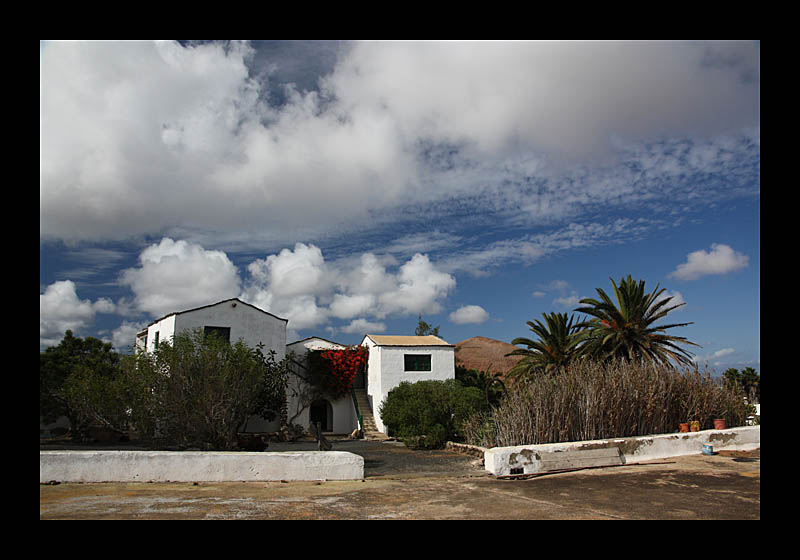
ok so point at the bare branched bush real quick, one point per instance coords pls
(591, 400)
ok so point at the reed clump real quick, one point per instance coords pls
(591, 400)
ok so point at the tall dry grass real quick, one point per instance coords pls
(597, 401)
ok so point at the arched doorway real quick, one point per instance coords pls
(322, 412)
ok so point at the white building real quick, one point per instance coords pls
(231, 319)
(335, 416)
(394, 359)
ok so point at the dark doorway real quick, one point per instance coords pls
(358, 381)
(322, 412)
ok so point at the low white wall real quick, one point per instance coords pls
(197, 466)
(500, 460)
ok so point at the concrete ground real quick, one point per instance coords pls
(400, 483)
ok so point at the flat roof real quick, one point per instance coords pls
(401, 340)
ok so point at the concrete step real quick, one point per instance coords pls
(369, 426)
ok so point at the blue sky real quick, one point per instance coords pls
(353, 186)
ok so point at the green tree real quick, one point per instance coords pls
(626, 329)
(424, 329)
(555, 349)
(199, 391)
(748, 379)
(64, 368)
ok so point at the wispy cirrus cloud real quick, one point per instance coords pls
(528, 249)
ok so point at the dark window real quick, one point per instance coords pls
(223, 333)
(417, 362)
(155, 340)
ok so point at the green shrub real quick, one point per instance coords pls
(429, 413)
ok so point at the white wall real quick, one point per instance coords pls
(164, 327)
(247, 323)
(374, 387)
(197, 466)
(500, 460)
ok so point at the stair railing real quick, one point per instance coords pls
(358, 410)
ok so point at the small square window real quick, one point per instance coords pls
(223, 333)
(417, 362)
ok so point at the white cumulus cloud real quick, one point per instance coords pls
(469, 314)
(178, 275)
(346, 306)
(60, 310)
(420, 287)
(714, 357)
(722, 259)
(362, 326)
(124, 336)
(292, 272)
(300, 285)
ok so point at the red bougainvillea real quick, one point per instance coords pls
(345, 364)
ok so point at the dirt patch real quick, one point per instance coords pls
(754, 454)
(689, 487)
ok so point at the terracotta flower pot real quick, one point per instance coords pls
(683, 427)
(694, 426)
(719, 423)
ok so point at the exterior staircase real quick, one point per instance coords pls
(369, 428)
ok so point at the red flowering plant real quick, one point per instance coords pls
(333, 371)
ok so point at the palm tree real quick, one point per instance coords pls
(626, 330)
(555, 349)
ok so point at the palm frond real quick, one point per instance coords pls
(625, 329)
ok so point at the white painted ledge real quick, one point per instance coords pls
(500, 460)
(197, 466)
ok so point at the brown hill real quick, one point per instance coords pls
(484, 354)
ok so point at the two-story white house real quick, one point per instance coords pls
(394, 359)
